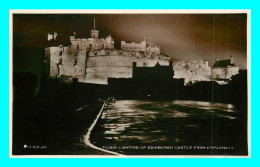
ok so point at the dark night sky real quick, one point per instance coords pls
(181, 36)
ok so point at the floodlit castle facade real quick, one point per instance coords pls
(94, 59)
(224, 69)
(192, 71)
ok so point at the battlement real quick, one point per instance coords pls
(203, 64)
(142, 46)
(128, 53)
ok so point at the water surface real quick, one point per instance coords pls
(176, 127)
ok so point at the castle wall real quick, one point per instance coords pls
(219, 73)
(192, 71)
(224, 73)
(101, 67)
(96, 66)
(66, 61)
(232, 71)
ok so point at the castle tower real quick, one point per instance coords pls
(94, 32)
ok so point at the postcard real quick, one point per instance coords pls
(130, 83)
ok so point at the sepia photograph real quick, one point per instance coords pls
(130, 83)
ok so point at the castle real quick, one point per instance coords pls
(94, 59)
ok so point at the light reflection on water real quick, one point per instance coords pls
(129, 122)
(205, 105)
